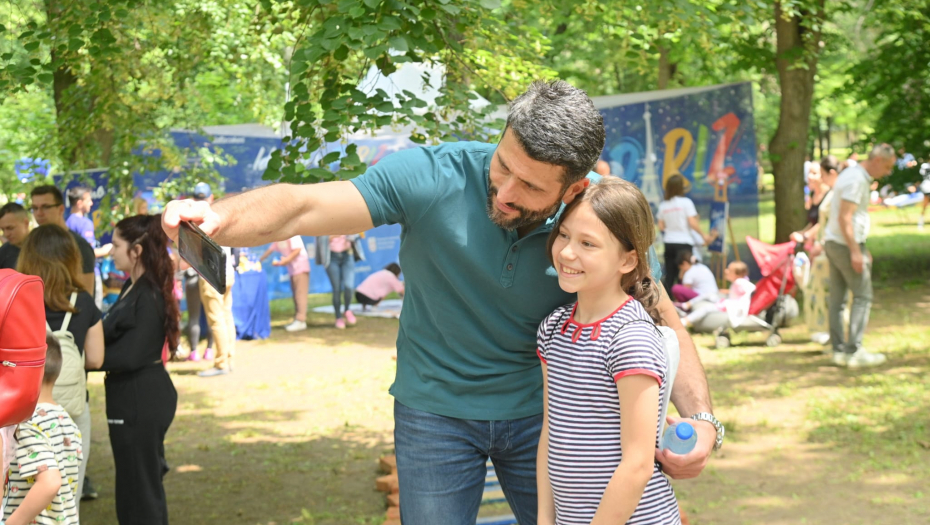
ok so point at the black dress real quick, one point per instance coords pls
(141, 402)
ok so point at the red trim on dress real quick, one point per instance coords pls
(638, 371)
(541, 358)
(596, 325)
(571, 318)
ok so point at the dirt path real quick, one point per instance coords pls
(303, 420)
(300, 424)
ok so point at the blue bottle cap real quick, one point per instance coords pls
(684, 431)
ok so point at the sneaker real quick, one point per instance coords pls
(821, 338)
(296, 326)
(840, 358)
(208, 354)
(89, 492)
(213, 372)
(350, 318)
(340, 324)
(863, 359)
(195, 356)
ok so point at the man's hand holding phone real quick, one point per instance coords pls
(185, 222)
(197, 212)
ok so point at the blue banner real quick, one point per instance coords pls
(705, 134)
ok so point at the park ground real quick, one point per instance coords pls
(294, 435)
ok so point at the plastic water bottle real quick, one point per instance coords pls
(680, 438)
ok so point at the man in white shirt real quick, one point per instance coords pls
(850, 263)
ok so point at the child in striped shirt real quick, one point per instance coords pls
(44, 472)
(604, 367)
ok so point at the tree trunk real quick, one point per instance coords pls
(819, 139)
(829, 132)
(667, 69)
(94, 148)
(796, 61)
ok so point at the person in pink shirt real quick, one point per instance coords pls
(294, 257)
(378, 285)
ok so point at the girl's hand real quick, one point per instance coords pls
(276, 263)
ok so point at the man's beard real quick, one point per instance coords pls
(526, 217)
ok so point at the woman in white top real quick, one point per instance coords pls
(677, 218)
(697, 282)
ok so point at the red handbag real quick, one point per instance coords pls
(22, 345)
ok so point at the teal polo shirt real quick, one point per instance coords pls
(475, 293)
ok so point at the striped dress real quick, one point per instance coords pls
(584, 361)
(48, 441)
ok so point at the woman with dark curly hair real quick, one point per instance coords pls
(141, 332)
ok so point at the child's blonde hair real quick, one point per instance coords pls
(739, 268)
(626, 213)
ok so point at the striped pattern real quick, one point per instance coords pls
(584, 362)
(48, 441)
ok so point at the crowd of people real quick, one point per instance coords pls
(532, 303)
(131, 345)
(837, 286)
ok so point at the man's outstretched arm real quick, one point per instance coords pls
(274, 213)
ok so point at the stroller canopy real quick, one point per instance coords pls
(770, 256)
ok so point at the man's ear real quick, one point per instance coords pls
(574, 189)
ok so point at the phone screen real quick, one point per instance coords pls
(205, 256)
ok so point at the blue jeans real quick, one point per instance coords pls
(341, 272)
(441, 465)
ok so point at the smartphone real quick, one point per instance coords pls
(205, 256)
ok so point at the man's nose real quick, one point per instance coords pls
(505, 191)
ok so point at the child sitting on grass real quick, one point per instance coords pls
(735, 301)
(44, 472)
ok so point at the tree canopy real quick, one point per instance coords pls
(92, 84)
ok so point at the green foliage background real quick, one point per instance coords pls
(86, 84)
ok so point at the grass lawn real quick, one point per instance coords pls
(293, 436)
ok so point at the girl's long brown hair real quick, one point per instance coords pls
(626, 213)
(146, 231)
(50, 252)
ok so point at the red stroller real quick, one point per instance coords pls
(771, 304)
(774, 294)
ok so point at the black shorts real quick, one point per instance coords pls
(364, 299)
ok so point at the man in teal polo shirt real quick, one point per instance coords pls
(475, 221)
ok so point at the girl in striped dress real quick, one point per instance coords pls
(604, 368)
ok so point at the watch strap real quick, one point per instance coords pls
(721, 431)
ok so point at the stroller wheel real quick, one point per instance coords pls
(773, 340)
(722, 342)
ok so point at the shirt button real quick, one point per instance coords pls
(510, 267)
(514, 249)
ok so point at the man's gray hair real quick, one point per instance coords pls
(557, 123)
(884, 151)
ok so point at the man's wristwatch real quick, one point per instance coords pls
(706, 416)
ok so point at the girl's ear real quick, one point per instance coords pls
(628, 262)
